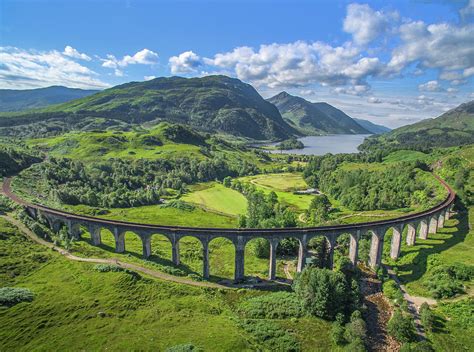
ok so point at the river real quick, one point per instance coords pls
(320, 145)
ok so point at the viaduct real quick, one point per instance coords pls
(418, 224)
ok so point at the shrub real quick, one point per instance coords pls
(401, 327)
(427, 317)
(278, 305)
(337, 332)
(187, 347)
(356, 328)
(103, 268)
(9, 296)
(270, 336)
(445, 281)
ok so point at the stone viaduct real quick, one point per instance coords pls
(417, 225)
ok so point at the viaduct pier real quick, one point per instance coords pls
(418, 225)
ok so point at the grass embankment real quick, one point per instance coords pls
(75, 307)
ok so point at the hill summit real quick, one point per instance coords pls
(315, 118)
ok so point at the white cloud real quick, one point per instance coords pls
(365, 24)
(186, 62)
(452, 90)
(358, 90)
(142, 57)
(467, 11)
(148, 78)
(374, 100)
(71, 52)
(430, 86)
(21, 69)
(437, 46)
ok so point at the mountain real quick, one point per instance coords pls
(16, 100)
(315, 118)
(453, 128)
(212, 104)
(372, 127)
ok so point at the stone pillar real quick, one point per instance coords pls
(447, 213)
(433, 226)
(205, 259)
(332, 244)
(239, 273)
(423, 229)
(146, 242)
(411, 234)
(175, 251)
(302, 255)
(95, 235)
(73, 230)
(354, 247)
(441, 220)
(119, 240)
(396, 242)
(376, 248)
(273, 263)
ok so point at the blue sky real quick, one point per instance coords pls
(390, 62)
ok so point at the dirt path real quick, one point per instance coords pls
(113, 261)
(286, 269)
(414, 303)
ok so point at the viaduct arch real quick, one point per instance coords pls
(418, 224)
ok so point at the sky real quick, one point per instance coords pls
(390, 62)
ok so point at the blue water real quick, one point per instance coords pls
(320, 145)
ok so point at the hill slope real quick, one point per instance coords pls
(372, 127)
(212, 103)
(16, 100)
(453, 128)
(314, 118)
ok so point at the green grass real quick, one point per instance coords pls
(78, 308)
(216, 197)
(406, 155)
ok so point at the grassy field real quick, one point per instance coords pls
(283, 185)
(79, 308)
(215, 196)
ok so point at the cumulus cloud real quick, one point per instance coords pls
(186, 62)
(71, 52)
(358, 90)
(437, 46)
(31, 69)
(374, 100)
(148, 78)
(430, 86)
(142, 57)
(365, 24)
(467, 11)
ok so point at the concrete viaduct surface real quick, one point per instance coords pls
(417, 225)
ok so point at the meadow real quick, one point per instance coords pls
(76, 307)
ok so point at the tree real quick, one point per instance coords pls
(401, 327)
(338, 330)
(227, 182)
(427, 317)
(318, 210)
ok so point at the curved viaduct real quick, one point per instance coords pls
(418, 224)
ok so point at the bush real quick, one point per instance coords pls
(445, 281)
(356, 328)
(426, 316)
(103, 268)
(278, 305)
(270, 336)
(338, 330)
(401, 327)
(9, 296)
(187, 347)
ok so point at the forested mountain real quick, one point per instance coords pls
(315, 118)
(372, 127)
(453, 128)
(211, 103)
(16, 100)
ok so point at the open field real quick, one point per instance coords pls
(105, 309)
(215, 196)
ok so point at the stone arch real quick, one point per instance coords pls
(132, 242)
(193, 253)
(103, 237)
(257, 255)
(289, 249)
(222, 257)
(320, 248)
(161, 248)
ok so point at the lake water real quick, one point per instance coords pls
(320, 145)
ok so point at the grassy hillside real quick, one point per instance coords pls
(454, 128)
(24, 99)
(315, 118)
(212, 103)
(372, 127)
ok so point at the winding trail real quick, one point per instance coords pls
(156, 274)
